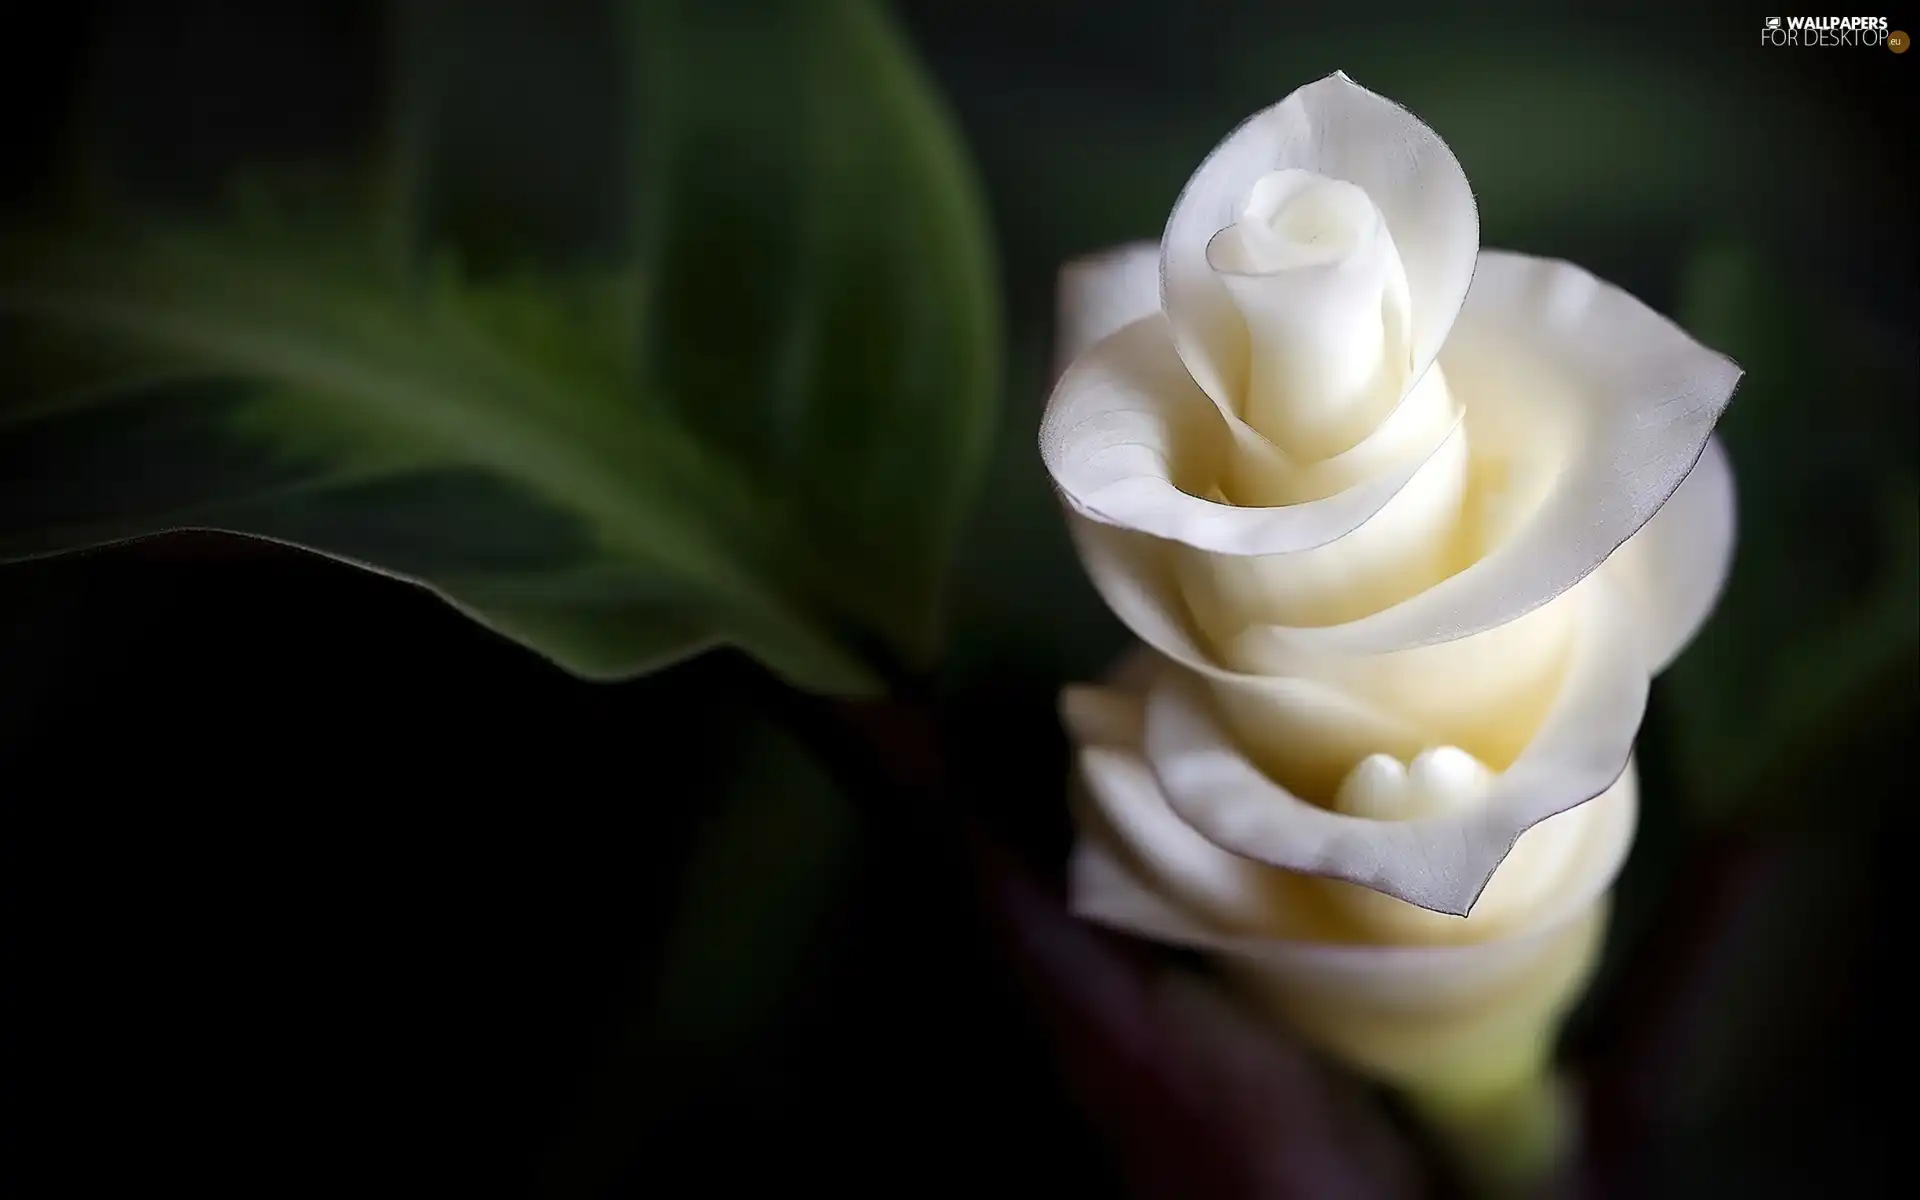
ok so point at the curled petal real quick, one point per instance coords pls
(1576, 384)
(1310, 729)
(1674, 568)
(1106, 723)
(1457, 1014)
(1101, 293)
(1440, 863)
(1231, 891)
(1126, 427)
(1108, 883)
(1126, 805)
(1310, 726)
(1132, 573)
(1338, 129)
(1484, 693)
(1104, 887)
(1589, 406)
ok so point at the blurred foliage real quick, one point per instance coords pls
(756, 418)
(747, 925)
(324, 891)
(1827, 573)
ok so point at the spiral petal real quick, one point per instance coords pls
(1593, 404)
(1131, 442)
(1440, 862)
(1338, 129)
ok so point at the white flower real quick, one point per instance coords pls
(1408, 526)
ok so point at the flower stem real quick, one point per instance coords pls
(1511, 1142)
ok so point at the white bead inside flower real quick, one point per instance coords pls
(1314, 272)
(1442, 781)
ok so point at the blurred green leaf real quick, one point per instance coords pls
(1815, 639)
(754, 895)
(752, 891)
(759, 423)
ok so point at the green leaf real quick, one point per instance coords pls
(1814, 641)
(866, 283)
(749, 915)
(758, 422)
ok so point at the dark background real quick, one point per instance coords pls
(310, 887)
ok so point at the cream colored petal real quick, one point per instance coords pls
(1410, 1013)
(1408, 545)
(1595, 401)
(1467, 1017)
(1593, 405)
(1125, 805)
(1572, 854)
(1312, 270)
(1101, 293)
(1442, 862)
(1486, 693)
(1229, 891)
(1130, 441)
(1674, 568)
(1468, 1020)
(1105, 884)
(1338, 129)
(1310, 716)
(1102, 886)
(1131, 571)
(1305, 730)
